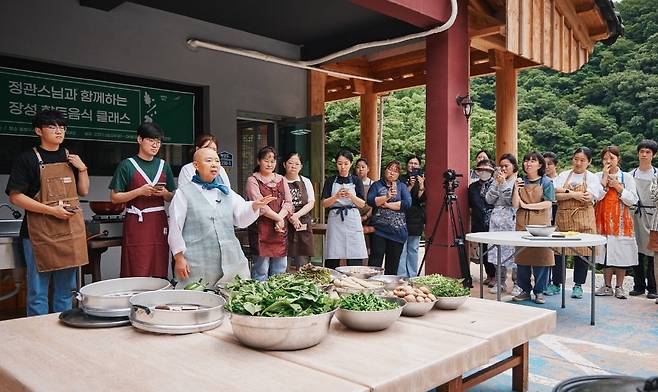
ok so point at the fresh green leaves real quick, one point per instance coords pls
(442, 286)
(316, 274)
(367, 302)
(280, 296)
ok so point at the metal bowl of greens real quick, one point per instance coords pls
(319, 275)
(360, 271)
(450, 293)
(286, 312)
(368, 312)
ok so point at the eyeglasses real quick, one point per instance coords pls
(55, 128)
(157, 142)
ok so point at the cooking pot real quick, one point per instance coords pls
(105, 207)
(607, 383)
(176, 311)
(109, 298)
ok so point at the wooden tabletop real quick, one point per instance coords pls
(413, 354)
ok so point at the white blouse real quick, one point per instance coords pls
(593, 182)
(243, 214)
(629, 194)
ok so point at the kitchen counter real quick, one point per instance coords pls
(413, 354)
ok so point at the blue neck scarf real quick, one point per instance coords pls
(215, 184)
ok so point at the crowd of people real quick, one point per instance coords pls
(619, 205)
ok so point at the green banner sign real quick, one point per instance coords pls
(96, 110)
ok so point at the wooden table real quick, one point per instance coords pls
(415, 354)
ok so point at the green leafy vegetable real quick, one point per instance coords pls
(442, 286)
(280, 296)
(316, 274)
(367, 302)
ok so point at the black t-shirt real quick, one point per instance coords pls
(25, 176)
(358, 185)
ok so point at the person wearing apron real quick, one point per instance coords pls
(614, 220)
(643, 213)
(576, 190)
(342, 196)
(481, 213)
(203, 214)
(503, 217)
(300, 234)
(46, 182)
(144, 182)
(533, 196)
(555, 274)
(415, 215)
(268, 236)
(203, 140)
(389, 199)
(361, 170)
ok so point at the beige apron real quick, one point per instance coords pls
(58, 243)
(574, 215)
(541, 257)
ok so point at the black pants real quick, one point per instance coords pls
(580, 269)
(380, 247)
(489, 268)
(556, 271)
(643, 279)
(333, 263)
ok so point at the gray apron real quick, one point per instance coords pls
(643, 213)
(344, 238)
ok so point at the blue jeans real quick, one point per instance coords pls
(37, 285)
(523, 278)
(264, 267)
(409, 259)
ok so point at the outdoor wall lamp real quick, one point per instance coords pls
(466, 104)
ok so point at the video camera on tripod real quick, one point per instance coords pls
(450, 183)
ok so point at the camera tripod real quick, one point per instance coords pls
(457, 225)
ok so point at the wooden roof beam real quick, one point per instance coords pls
(485, 44)
(566, 8)
(399, 61)
(399, 84)
(486, 32)
(358, 66)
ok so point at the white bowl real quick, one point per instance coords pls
(415, 309)
(370, 321)
(450, 303)
(540, 230)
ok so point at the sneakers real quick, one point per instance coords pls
(539, 299)
(516, 290)
(522, 296)
(620, 293)
(577, 292)
(604, 291)
(635, 293)
(552, 289)
(490, 281)
(652, 295)
(494, 289)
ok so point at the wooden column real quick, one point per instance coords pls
(316, 91)
(369, 137)
(446, 141)
(506, 112)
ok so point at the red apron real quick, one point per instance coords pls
(144, 248)
(264, 240)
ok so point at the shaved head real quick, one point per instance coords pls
(206, 162)
(203, 153)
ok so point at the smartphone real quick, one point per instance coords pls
(303, 227)
(70, 208)
(161, 186)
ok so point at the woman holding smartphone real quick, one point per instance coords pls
(300, 235)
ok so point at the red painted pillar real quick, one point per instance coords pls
(446, 142)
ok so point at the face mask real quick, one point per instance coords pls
(484, 175)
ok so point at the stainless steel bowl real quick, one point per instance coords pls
(176, 311)
(391, 281)
(110, 298)
(415, 309)
(540, 230)
(359, 271)
(450, 303)
(281, 333)
(371, 321)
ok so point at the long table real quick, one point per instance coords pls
(414, 354)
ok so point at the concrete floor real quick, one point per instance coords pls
(623, 342)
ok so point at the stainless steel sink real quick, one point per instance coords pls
(11, 255)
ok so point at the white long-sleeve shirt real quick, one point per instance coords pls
(243, 214)
(629, 194)
(188, 171)
(593, 183)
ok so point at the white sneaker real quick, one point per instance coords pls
(494, 289)
(516, 291)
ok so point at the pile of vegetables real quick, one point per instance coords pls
(280, 296)
(350, 282)
(442, 286)
(411, 294)
(316, 274)
(365, 302)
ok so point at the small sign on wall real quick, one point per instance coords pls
(226, 159)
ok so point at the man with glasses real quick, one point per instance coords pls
(46, 181)
(144, 182)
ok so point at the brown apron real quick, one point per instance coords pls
(542, 257)
(574, 215)
(264, 240)
(300, 243)
(144, 246)
(58, 243)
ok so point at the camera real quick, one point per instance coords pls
(450, 181)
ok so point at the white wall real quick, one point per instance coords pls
(139, 41)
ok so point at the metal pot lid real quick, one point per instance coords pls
(78, 318)
(608, 383)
